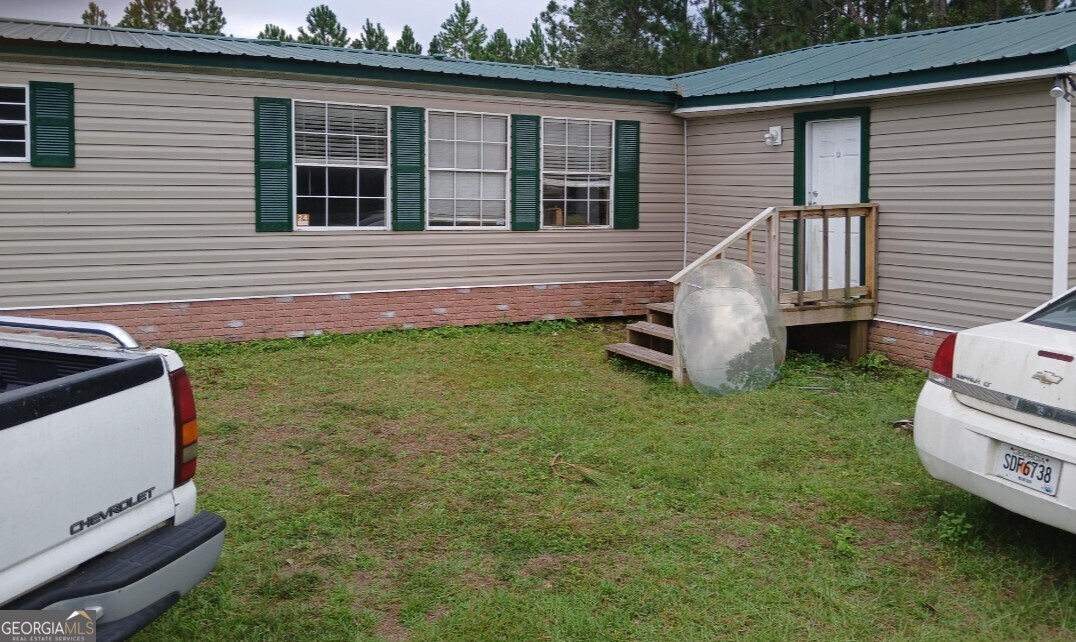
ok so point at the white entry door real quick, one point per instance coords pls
(833, 178)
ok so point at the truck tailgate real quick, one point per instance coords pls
(87, 461)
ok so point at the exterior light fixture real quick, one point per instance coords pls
(773, 137)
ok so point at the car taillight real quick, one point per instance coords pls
(943, 360)
(186, 426)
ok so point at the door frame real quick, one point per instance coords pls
(799, 173)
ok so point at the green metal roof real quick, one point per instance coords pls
(1037, 41)
(273, 55)
(1017, 44)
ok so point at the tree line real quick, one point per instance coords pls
(462, 35)
(637, 36)
(204, 16)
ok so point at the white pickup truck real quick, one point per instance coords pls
(98, 445)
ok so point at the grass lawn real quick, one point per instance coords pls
(397, 486)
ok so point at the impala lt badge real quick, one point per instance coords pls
(1047, 377)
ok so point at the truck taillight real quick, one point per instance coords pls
(186, 426)
(943, 360)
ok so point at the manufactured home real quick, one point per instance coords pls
(193, 187)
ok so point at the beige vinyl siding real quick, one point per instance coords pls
(733, 175)
(965, 184)
(160, 205)
(963, 179)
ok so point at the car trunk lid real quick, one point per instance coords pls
(1019, 371)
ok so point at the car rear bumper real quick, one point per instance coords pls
(130, 587)
(960, 445)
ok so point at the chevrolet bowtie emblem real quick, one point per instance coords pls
(1046, 377)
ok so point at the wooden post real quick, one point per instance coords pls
(857, 340)
(773, 253)
(871, 253)
(825, 254)
(847, 253)
(679, 373)
(801, 232)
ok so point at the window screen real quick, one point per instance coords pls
(468, 170)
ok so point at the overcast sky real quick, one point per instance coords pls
(247, 17)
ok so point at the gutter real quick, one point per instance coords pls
(1062, 180)
(695, 112)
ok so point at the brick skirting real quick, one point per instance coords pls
(297, 316)
(905, 344)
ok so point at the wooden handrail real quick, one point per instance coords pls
(798, 216)
(721, 247)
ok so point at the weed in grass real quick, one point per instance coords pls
(953, 528)
(873, 363)
(844, 541)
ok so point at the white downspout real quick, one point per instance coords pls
(685, 192)
(1062, 183)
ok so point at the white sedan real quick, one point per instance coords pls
(997, 416)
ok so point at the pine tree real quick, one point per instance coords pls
(322, 28)
(273, 32)
(175, 20)
(205, 17)
(559, 36)
(615, 35)
(461, 35)
(531, 50)
(159, 15)
(499, 48)
(95, 16)
(373, 37)
(407, 43)
(435, 46)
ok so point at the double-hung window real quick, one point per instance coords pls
(341, 165)
(14, 136)
(468, 170)
(577, 172)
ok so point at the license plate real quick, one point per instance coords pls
(1028, 468)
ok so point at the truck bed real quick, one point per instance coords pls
(21, 367)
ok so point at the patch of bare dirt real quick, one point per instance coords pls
(548, 567)
(390, 628)
(737, 543)
(900, 547)
(437, 613)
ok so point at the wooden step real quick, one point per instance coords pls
(660, 313)
(639, 353)
(651, 329)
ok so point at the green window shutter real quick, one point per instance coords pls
(526, 172)
(408, 169)
(52, 124)
(626, 179)
(272, 164)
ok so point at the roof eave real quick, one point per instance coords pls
(922, 80)
(114, 55)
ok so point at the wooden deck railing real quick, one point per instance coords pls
(768, 222)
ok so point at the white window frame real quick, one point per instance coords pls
(295, 174)
(25, 124)
(507, 171)
(542, 173)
